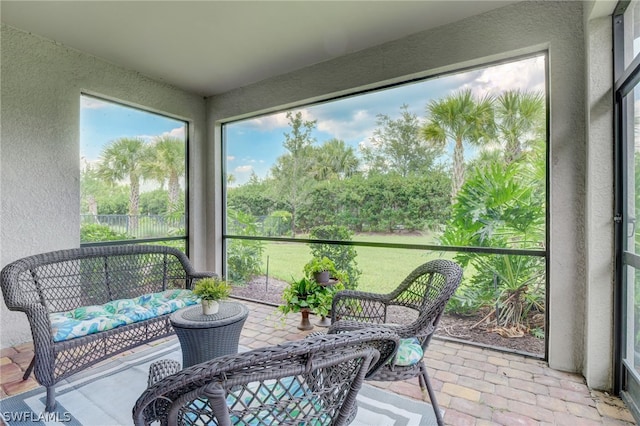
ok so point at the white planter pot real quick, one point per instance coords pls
(210, 307)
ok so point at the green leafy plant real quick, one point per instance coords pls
(244, 257)
(500, 206)
(538, 332)
(307, 294)
(318, 264)
(342, 255)
(212, 289)
(324, 264)
(91, 232)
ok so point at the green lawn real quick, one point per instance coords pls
(382, 268)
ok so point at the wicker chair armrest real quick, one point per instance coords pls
(200, 275)
(14, 296)
(15, 302)
(345, 326)
(362, 295)
(40, 322)
(194, 276)
(360, 306)
(342, 326)
(402, 331)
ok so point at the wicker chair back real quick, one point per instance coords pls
(425, 292)
(310, 381)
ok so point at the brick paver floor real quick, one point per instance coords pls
(475, 386)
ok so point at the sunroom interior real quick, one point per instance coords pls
(43, 79)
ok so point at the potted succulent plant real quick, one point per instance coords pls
(211, 290)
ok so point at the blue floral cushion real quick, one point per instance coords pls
(93, 319)
(268, 403)
(409, 352)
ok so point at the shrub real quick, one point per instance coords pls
(500, 206)
(277, 223)
(343, 256)
(244, 257)
(94, 232)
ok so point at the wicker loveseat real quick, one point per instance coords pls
(126, 293)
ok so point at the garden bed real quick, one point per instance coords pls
(465, 328)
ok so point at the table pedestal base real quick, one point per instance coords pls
(324, 322)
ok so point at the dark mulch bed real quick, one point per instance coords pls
(470, 329)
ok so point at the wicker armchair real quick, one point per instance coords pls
(424, 293)
(310, 381)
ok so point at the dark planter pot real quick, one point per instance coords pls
(321, 277)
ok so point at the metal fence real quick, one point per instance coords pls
(139, 226)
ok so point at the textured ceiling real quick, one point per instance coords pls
(209, 47)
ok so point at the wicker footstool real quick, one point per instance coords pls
(203, 337)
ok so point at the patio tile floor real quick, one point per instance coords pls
(476, 386)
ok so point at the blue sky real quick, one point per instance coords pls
(102, 122)
(254, 144)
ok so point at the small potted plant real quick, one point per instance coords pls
(320, 269)
(210, 291)
(306, 296)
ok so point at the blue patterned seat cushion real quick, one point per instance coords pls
(409, 352)
(271, 395)
(93, 319)
(285, 401)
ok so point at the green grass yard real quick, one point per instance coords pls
(382, 268)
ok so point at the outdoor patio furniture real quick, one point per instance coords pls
(87, 304)
(425, 293)
(203, 337)
(309, 381)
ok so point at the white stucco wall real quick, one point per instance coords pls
(40, 88)
(599, 204)
(502, 33)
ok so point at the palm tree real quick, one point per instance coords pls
(123, 159)
(459, 118)
(334, 160)
(519, 120)
(167, 161)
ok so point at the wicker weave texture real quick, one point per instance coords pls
(425, 291)
(68, 279)
(208, 336)
(309, 381)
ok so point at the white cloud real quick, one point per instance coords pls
(178, 132)
(147, 138)
(86, 163)
(357, 125)
(275, 121)
(522, 75)
(269, 122)
(243, 169)
(365, 143)
(230, 157)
